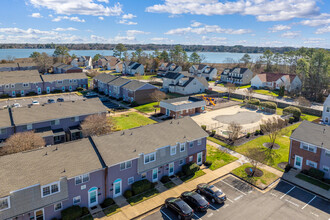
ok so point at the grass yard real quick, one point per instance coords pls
(304, 116)
(313, 181)
(263, 181)
(266, 92)
(219, 142)
(196, 175)
(173, 95)
(144, 77)
(131, 120)
(147, 108)
(245, 87)
(218, 158)
(169, 185)
(142, 197)
(111, 210)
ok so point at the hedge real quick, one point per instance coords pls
(141, 186)
(317, 174)
(254, 102)
(128, 194)
(107, 202)
(296, 112)
(271, 105)
(190, 168)
(71, 213)
(165, 179)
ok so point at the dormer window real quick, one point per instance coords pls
(4, 203)
(59, 81)
(50, 189)
(149, 158)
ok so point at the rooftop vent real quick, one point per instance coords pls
(63, 171)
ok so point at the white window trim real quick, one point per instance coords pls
(29, 126)
(312, 162)
(58, 209)
(8, 199)
(25, 84)
(327, 153)
(184, 147)
(60, 81)
(191, 144)
(148, 155)
(126, 167)
(50, 185)
(82, 179)
(173, 147)
(76, 202)
(309, 147)
(182, 162)
(199, 142)
(128, 182)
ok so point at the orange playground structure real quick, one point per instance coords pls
(209, 99)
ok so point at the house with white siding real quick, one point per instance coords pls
(202, 70)
(276, 81)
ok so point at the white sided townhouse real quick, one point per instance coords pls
(164, 68)
(202, 70)
(238, 76)
(326, 111)
(132, 68)
(83, 61)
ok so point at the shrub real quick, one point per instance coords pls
(296, 112)
(190, 168)
(317, 174)
(254, 102)
(85, 211)
(31, 93)
(107, 202)
(291, 120)
(43, 92)
(4, 96)
(67, 90)
(180, 174)
(208, 163)
(287, 168)
(96, 90)
(248, 135)
(134, 104)
(56, 91)
(128, 194)
(281, 91)
(212, 133)
(71, 213)
(165, 179)
(79, 89)
(141, 186)
(257, 132)
(271, 105)
(18, 95)
(101, 93)
(203, 127)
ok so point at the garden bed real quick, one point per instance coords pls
(169, 185)
(313, 181)
(142, 197)
(111, 210)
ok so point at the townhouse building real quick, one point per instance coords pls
(101, 82)
(326, 112)
(189, 85)
(116, 87)
(238, 76)
(59, 68)
(310, 147)
(17, 66)
(139, 92)
(64, 82)
(132, 68)
(164, 68)
(172, 78)
(202, 70)
(83, 61)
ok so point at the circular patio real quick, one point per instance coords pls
(239, 118)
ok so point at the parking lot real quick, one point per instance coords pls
(284, 201)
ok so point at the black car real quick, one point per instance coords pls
(60, 100)
(196, 201)
(51, 101)
(182, 209)
(211, 192)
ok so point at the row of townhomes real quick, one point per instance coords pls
(109, 63)
(28, 82)
(86, 171)
(184, 83)
(238, 76)
(132, 68)
(59, 68)
(202, 70)
(83, 61)
(56, 122)
(17, 66)
(310, 144)
(122, 88)
(164, 68)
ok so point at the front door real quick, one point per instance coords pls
(200, 158)
(167, 112)
(155, 175)
(39, 214)
(48, 89)
(117, 188)
(298, 162)
(92, 197)
(39, 91)
(171, 169)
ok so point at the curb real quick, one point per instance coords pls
(253, 184)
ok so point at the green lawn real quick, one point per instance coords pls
(218, 157)
(144, 77)
(146, 108)
(131, 120)
(169, 185)
(219, 142)
(245, 87)
(313, 181)
(304, 116)
(266, 92)
(263, 181)
(111, 210)
(173, 95)
(142, 197)
(196, 175)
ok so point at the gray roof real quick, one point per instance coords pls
(105, 77)
(70, 67)
(27, 64)
(136, 66)
(57, 110)
(55, 77)
(25, 76)
(8, 65)
(135, 84)
(4, 118)
(201, 66)
(181, 99)
(172, 75)
(119, 81)
(35, 167)
(146, 139)
(203, 81)
(312, 133)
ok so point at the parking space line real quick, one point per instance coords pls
(237, 198)
(214, 208)
(196, 216)
(230, 200)
(287, 192)
(295, 204)
(315, 214)
(165, 215)
(210, 215)
(273, 194)
(309, 202)
(233, 187)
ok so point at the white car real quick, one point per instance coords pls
(35, 102)
(16, 105)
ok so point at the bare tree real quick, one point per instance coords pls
(92, 73)
(248, 93)
(230, 89)
(272, 127)
(44, 62)
(234, 130)
(158, 96)
(22, 141)
(256, 157)
(96, 125)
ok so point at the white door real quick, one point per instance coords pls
(171, 169)
(92, 197)
(298, 162)
(155, 175)
(117, 188)
(200, 158)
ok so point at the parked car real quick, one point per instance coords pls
(60, 100)
(5, 106)
(16, 105)
(51, 101)
(182, 209)
(211, 192)
(91, 95)
(35, 102)
(195, 201)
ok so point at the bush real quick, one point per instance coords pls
(254, 102)
(134, 104)
(257, 132)
(248, 135)
(271, 105)
(71, 213)
(208, 163)
(203, 127)
(79, 89)
(30, 94)
(180, 174)
(67, 90)
(317, 174)
(165, 179)
(56, 91)
(281, 91)
(128, 194)
(296, 112)
(141, 186)
(190, 168)
(4, 96)
(85, 211)
(287, 168)
(212, 133)
(107, 202)
(291, 120)
(101, 93)
(18, 95)
(43, 92)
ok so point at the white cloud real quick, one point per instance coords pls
(213, 40)
(127, 22)
(196, 24)
(81, 7)
(76, 19)
(65, 29)
(323, 30)
(22, 31)
(207, 29)
(36, 15)
(124, 39)
(322, 19)
(264, 10)
(101, 18)
(314, 41)
(128, 16)
(135, 32)
(291, 34)
(279, 27)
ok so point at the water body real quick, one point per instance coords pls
(211, 57)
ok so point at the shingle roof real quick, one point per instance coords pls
(201, 66)
(312, 133)
(4, 118)
(136, 66)
(105, 77)
(25, 76)
(181, 99)
(146, 139)
(54, 77)
(172, 75)
(8, 65)
(70, 67)
(203, 81)
(272, 77)
(57, 110)
(35, 167)
(134, 85)
(26, 64)
(119, 81)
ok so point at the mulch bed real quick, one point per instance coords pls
(282, 165)
(268, 145)
(257, 172)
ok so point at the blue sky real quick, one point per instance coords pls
(211, 22)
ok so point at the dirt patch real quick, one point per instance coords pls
(268, 145)
(239, 118)
(257, 172)
(282, 165)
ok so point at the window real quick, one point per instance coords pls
(130, 180)
(82, 179)
(199, 142)
(59, 81)
(76, 200)
(143, 176)
(29, 127)
(308, 147)
(326, 169)
(25, 84)
(191, 158)
(74, 80)
(55, 122)
(50, 189)
(4, 203)
(191, 144)
(70, 80)
(126, 165)
(327, 153)
(149, 158)
(328, 109)
(173, 150)
(3, 131)
(58, 206)
(7, 86)
(311, 163)
(181, 162)
(182, 147)
(12, 85)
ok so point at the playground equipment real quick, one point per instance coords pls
(209, 99)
